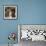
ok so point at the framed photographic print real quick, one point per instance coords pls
(10, 12)
(32, 32)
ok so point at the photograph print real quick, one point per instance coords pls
(10, 12)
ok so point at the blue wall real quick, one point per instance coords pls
(29, 12)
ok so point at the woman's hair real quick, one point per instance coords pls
(13, 12)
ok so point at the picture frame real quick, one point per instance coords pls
(36, 32)
(10, 12)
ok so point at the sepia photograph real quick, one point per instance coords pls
(10, 12)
